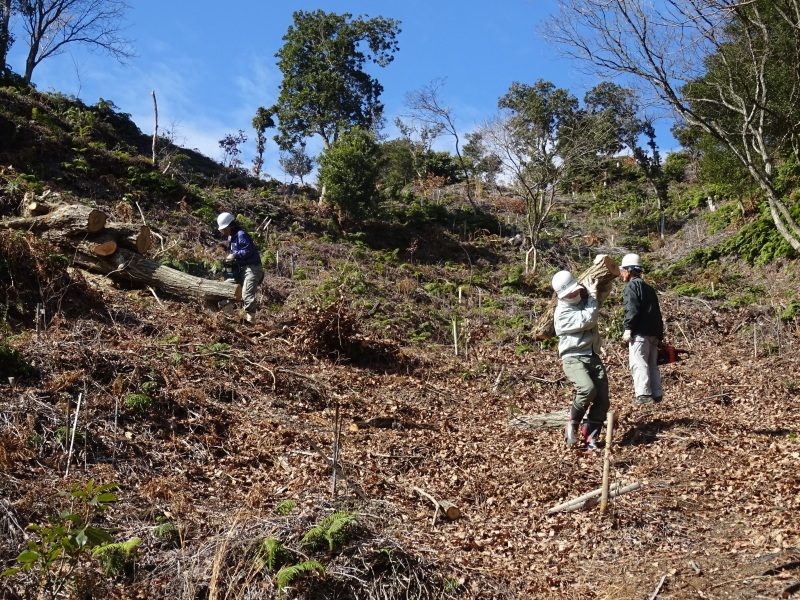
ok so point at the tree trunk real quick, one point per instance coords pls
(605, 271)
(116, 251)
(124, 265)
(66, 220)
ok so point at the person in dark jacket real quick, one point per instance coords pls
(244, 253)
(644, 331)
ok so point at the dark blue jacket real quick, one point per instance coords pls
(243, 248)
(642, 311)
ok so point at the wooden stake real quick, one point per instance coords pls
(607, 461)
(72, 438)
(455, 337)
(337, 430)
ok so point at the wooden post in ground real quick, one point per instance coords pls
(607, 461)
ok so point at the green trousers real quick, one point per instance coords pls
(588, 375)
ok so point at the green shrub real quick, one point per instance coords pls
(139, 402)
(687, 289)
(68, 540)
(284, 508)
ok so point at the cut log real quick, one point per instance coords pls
(64, 221)
(34, 209)
(124, 265)
(604, 271)
(127, 235)
(552, 420)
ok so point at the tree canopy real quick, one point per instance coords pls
(325, 88)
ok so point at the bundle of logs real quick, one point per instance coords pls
(604, 270)
(115, 249)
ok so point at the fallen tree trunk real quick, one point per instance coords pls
(115, 249)
(124, 265)
(605, 270)
(67, 220)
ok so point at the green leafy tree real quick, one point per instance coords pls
(261, 122)
(350, 170)
(6, 39)
(618, 116)
(540, 137)
(325, 89)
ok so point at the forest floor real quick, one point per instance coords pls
(242, 416)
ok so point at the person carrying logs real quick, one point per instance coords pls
(576, 324)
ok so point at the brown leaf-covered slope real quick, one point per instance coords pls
(238, 412)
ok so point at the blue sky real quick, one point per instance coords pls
(213, 64)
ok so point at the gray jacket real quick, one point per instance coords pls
(576, 328)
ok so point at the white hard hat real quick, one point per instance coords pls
(564, 283)
(224, 219)
(631, 260)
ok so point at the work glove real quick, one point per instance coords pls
(230, 258)
(591, 287)
(599, 258)
(626, 336)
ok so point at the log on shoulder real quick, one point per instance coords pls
(604, 271)
(63, 221)
(128, 266)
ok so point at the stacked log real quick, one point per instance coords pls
(115, 249)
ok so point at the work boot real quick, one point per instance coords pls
(570, 433)
(250, 318)
(644, 400)
(591, 434)
(657, 399)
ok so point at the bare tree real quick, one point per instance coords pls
(709, 61)
(52, 25)
(540, 137)
(425, 105)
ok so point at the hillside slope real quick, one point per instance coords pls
(214, 432)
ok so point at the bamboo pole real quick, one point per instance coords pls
(607, 461)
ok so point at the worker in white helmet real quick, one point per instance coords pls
(644, 331)
(244, 255)
(575, 322)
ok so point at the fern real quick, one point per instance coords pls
(114, 557)
(288, 574)
(272, 554)
(331, 530)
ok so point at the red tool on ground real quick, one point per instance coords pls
(669, 354)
